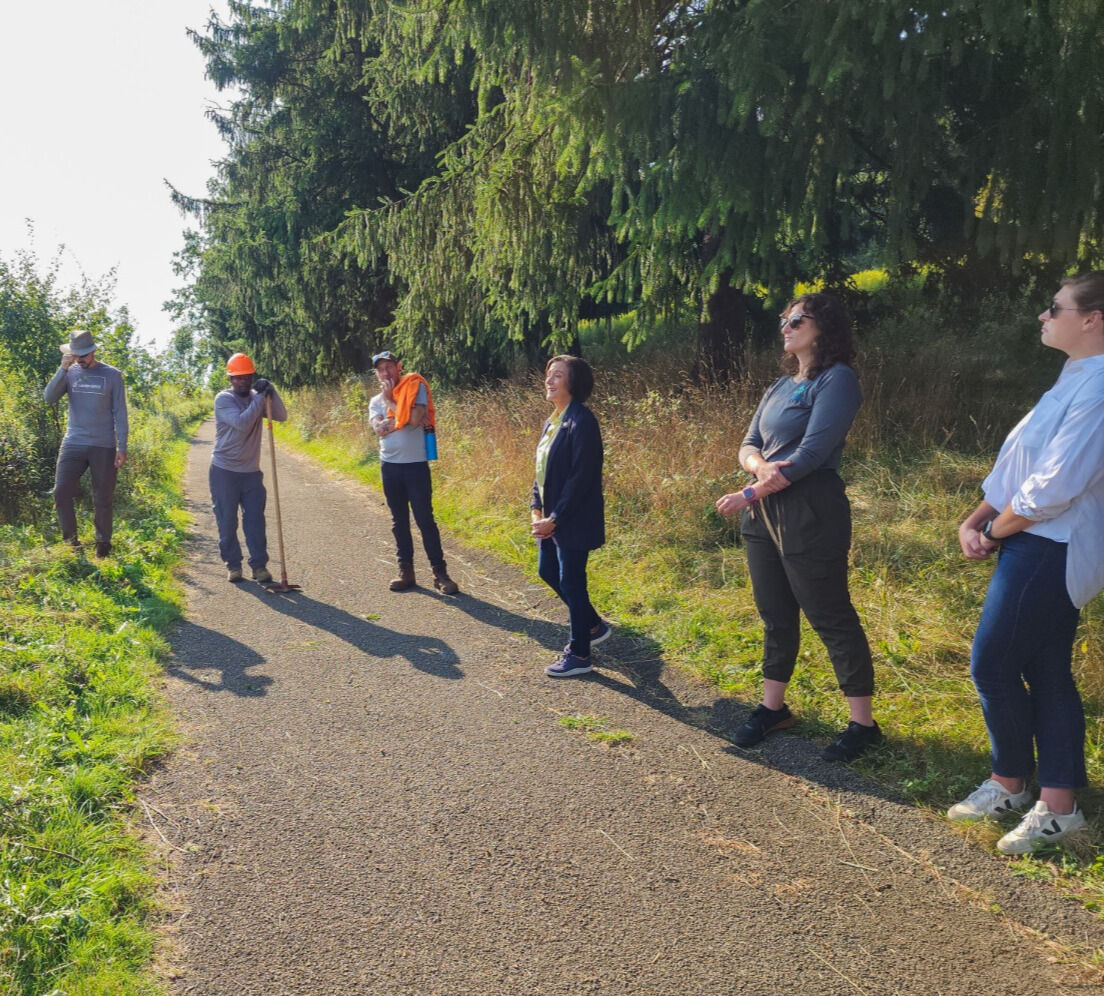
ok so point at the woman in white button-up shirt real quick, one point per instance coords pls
(1044, 512)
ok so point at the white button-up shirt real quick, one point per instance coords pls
(1051, 469)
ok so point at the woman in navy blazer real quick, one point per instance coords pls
(568, 507)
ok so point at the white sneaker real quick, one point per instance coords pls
(989, 801)
(1040, 826)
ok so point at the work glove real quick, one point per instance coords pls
(262, 386)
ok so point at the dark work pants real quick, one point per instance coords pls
(231, 490)
(797, 543)
(72, 462)
(564, 571)
(408, 488)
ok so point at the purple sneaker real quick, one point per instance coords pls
(568, 666)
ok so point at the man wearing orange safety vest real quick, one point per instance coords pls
(401, 415)
(235, 475)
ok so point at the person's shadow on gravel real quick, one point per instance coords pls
(549, 635)
(642, 663)
(426, 653)
(197, 649)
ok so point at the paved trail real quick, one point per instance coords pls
(375, 795)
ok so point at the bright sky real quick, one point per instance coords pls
(102, 102)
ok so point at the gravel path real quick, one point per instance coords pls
(375, 795)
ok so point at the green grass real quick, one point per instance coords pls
(596, 728)
(80, 721)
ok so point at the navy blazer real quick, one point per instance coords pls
(573, 481)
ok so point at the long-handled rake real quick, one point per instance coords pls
(282, 585)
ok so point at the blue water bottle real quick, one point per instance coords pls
(431, 444)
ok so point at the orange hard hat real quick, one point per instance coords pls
(239, 364)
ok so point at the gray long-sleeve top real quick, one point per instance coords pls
(239, 427)
(97, 405)
(806, 421)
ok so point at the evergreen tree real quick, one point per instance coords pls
(466, 179)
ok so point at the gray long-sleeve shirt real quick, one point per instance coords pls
(806, 421)
(97, 405)
(238, 429)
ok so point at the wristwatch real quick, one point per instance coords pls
(987, 531)
(749, 495)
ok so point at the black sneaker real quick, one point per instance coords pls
(761, 722)
(853, 742)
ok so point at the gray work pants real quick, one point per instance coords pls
(72, 462)
(231, 490)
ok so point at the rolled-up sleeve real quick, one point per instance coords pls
(1071, 464)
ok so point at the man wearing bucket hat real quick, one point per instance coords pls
(235, 476)
(402, 416)
(95, 437)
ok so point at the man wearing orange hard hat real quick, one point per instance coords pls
(235, 475)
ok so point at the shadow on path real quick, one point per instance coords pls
(547, 634)
(426, 653)
(207, 649)
(790, 753)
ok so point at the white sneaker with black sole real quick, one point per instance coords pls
(989, 801)
(1039, 828)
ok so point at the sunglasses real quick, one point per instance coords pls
(1055, 308)
(793, 321)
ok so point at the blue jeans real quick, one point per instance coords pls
(564, 571)
(1021, 664)
(229, 491)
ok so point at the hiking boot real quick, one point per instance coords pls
(405, 579)
(598, 634)
(568, 666)
(1040, 827)
(233, 573)
(853, 742)
(442, 582)
(761, 722)
(989, 801)
(103, 550)
(262, 575)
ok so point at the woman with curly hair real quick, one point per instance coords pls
(796, 521)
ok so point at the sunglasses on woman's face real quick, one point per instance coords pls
(793, 321)
(1055, 307)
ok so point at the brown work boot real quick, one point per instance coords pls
(443, 583)
(405, 579)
